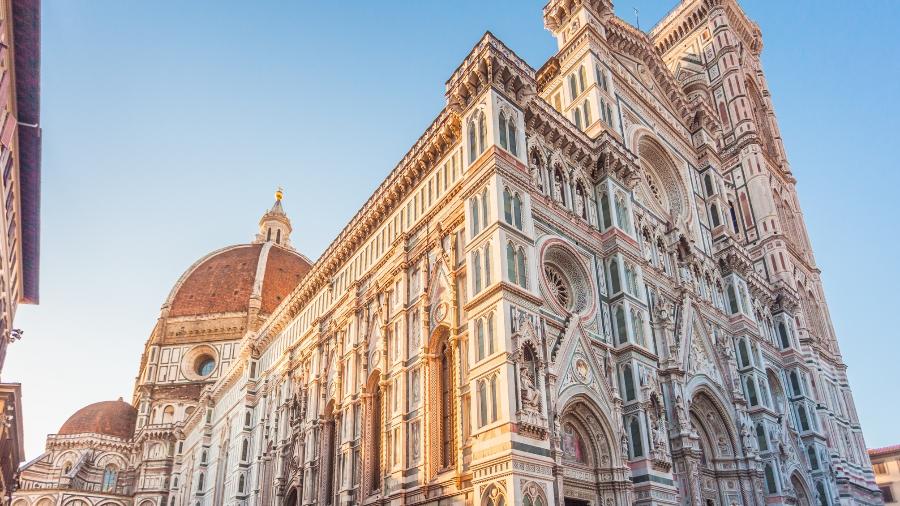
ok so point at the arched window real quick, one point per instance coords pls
(473, 141)
(573, 86)
(743, 354)
(783, 335)
(511, 262)
(804, 418)
(248, 418)
(621, 327)
(513, 137)
(494, 398)
(482, 403)
(448, 456)
(517, 211)
(795, 383)
(586, 111)
(582, 78)
(614, 282)
(606, 220)
(637, 324)
(628, 381)
(241, 481)
(476, 267)
(168, 415)
(479, 338)
(601, 78)
(771, 486)
(110, 475)
(761, 438)
(375, 457)
(622, 214)
(820, 491)
(813, 460)
(503, 141)
(637, 445)
(476, 222)
(714, 214)
(577, 114)
(481, 133)
(708, 182)
(245, 450)
(487, 264)
(484, 207)
(751, 391)
(507, 206)
(493, 497)
(581, 201)
(520, 268)
(733, 305)
(491, 345)
(200, 480)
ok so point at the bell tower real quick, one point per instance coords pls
(275, 226)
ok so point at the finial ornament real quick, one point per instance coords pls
(279, 193)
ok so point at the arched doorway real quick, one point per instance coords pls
(714, 446)
(800, 491)
(588, 455)
(291, 498)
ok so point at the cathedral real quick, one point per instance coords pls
(586, 284)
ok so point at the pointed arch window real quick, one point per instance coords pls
(637, 324)
(628, 382)
(771, 486)
(614, 282)
(241, 484)
(515, 265)
(804, 418)
(377, 435)
(476, 221)
(577, 115)
(621, 326)
(520, 268)
(110, 476)
(761, 438)
(507, 206)
(751, 391)
(813, 459)
(448, 456)
(476, 267)
(637, 446)
(487, 264)
(582, 78)
(714, 215)
(245, 450)
(200, 480)
(503, 140)
(783, 335)
(743, 353)
(586, 111)
(492, 346)
(573, 86)
(517, 211)
(479, 338)
(708, 183)
(605, 216)
(482, 403)
(795, 383)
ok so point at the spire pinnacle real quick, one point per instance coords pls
(275, 226)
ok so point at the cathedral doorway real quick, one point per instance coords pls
(715, 446)
(291, 499)
(800, 491)
(587, 455)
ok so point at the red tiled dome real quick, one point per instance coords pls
(224, 281)
(111, 418)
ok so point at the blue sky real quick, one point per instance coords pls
(167, 126)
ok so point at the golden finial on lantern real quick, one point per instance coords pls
(279, 193)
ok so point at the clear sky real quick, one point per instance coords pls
(167, 126)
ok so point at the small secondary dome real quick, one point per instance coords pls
(110, 418)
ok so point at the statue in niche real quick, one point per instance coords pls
(530, 395)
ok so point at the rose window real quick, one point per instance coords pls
(566, 281)
(558, 286)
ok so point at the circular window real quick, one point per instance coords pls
(558, 286)
(199, 363)
(205, 365)
(566, 281)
